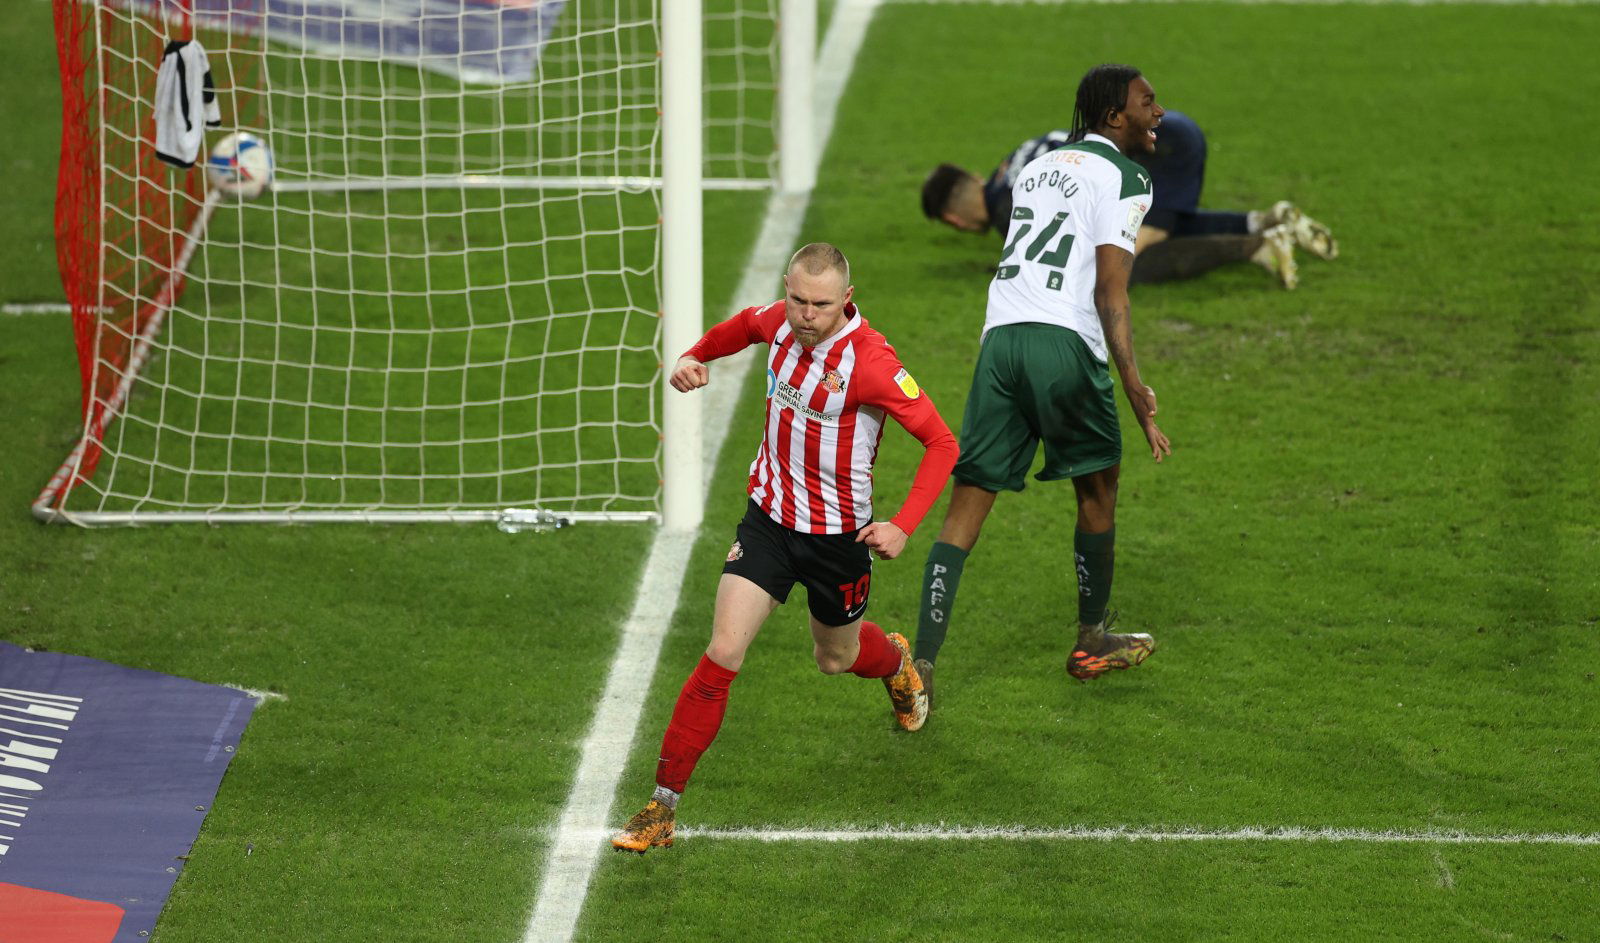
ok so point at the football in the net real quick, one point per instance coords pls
(240, 165)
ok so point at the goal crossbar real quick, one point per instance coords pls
(505, 182)
(105, 518)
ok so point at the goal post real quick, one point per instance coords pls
(464, 289)
(681, 257)
(797, 143)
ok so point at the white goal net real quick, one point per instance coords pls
(447, 303)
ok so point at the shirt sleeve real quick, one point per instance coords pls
(891, 388)
(750, 326)
(1119, 220)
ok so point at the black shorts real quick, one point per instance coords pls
(836, 571)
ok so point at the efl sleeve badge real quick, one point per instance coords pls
(907, 385)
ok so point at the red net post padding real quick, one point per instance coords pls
(121, 214)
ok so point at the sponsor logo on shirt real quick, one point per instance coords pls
(907, 385)
(790, 397)
(1135, 218)
(772, 382)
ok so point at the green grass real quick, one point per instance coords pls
(1370, 563)
(1125, 892)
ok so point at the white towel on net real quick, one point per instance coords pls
(186, 103)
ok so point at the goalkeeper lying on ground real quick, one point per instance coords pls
(1178, 239)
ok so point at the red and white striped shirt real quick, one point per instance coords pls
(825, 413)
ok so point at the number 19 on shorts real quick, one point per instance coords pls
(855, 594)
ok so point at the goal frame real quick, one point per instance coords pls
(682, 183)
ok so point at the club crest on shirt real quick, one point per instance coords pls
(833, 381)
(735, 552)
(907, 385)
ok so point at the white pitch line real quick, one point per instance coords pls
(1020, 833)
(581, 830)
(35, 307)
(262, 697)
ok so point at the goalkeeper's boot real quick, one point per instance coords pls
(651, 828)
(906, 692)
(925, 672)
(1310, 235)
(1276, 255)
(1099, 651)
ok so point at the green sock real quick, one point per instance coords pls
(1095, 554)
(940, 577)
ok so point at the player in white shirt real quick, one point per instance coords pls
(1058, 308)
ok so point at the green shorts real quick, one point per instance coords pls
(1033, 383)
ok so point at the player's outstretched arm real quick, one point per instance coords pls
(1113, 266)
(750, 326)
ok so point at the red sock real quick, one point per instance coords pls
(879, 658)
(694, 724)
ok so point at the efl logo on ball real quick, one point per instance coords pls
(240, 165)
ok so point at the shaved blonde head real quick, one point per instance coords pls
(818, 257)
(817, 293)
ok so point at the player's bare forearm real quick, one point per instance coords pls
(1115, 325)
(1113, 267)
(1112, 305)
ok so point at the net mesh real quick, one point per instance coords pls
(426, 311)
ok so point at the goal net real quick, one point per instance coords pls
(448, 301)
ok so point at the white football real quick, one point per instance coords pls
(241, 165)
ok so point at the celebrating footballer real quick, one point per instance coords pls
(831, 381)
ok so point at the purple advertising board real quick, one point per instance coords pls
(106, 774)
(480, 41)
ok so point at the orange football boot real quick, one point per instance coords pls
(906, 693)
(651, 828)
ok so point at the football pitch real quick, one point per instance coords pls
(1372, 563)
